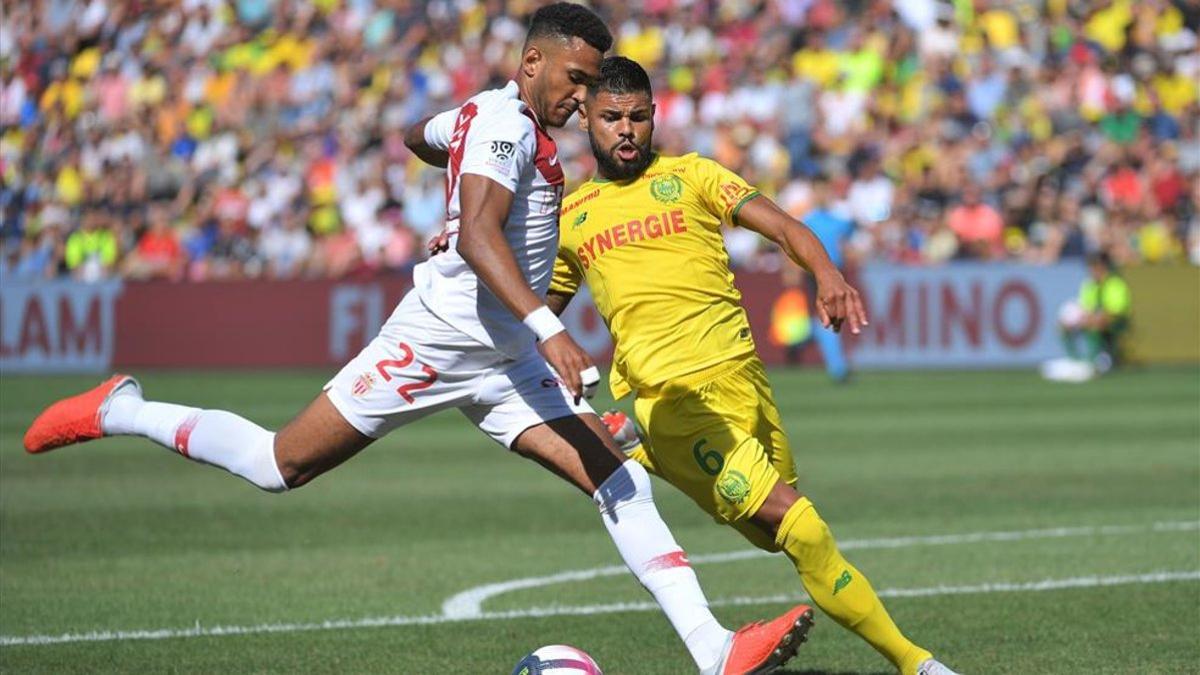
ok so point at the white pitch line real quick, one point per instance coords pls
(469, 603)
(928, 592)
(586, 610)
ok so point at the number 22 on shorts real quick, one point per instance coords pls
(405, 390)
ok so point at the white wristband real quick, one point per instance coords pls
(543, 323)
(590, 379)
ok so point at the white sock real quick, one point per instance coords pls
(649, 550)
(215, 437)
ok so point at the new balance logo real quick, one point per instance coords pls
(842, 582)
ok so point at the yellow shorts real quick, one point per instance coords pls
(717, 436)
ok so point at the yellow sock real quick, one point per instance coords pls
(840, 590)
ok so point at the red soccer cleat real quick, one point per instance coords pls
(762, 647)
(75, 419)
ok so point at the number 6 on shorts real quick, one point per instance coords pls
(710, 462)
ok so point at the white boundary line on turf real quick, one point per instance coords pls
(469, 603)
(585, 610)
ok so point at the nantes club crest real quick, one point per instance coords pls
(667, 188)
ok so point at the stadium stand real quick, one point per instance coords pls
(207, 139)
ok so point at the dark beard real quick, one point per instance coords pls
(612, 170)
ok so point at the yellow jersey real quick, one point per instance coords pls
(653, 256)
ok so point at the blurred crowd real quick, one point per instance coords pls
(215, 139)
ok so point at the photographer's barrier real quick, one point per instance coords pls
(954, 316)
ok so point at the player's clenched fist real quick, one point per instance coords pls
(572, 364)
(568, 359)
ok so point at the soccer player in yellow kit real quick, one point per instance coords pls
(645, 235)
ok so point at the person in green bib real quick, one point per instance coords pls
(1099, 317)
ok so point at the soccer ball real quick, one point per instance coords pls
(557, 660)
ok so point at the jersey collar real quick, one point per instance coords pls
(513, 91)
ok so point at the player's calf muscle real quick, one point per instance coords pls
(573, 449)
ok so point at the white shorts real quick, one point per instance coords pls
(419, 364)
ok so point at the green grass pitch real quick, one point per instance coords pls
(120, 535)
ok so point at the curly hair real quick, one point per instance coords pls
(567, 20)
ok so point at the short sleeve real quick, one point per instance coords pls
(567, 277)
(500, 149)
(440, 129)
(723, 191)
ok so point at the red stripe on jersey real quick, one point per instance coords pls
(546, 158)
(184, 433)
(458, 142)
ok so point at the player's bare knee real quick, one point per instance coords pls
(291, 464)
(293, 477)
(760, 536)
(292, 471)
(775, 507)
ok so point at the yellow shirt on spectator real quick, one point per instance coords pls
(1157, 243)
(289, 50)
(86, 63)
(200, 123)
(1175, 92)
(474, 20)
(1169, 21)
(1107, 26)
(818, 65)
(249, 56)
(1001, 28)
(66, 93)
(645, 47)
(148, 91)
(69, 185)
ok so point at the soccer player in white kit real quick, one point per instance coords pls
(455, 341)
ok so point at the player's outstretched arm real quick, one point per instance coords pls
(837, 301)
(481, 243)
(415, 139)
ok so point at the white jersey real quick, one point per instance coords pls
(496, 136)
